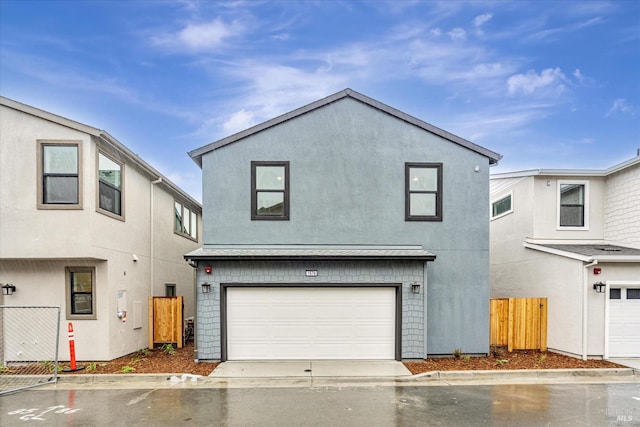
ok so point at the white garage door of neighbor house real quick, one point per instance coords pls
(624, 322)
(310, 323)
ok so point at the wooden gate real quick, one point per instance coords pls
(165, 321)
(518, 323)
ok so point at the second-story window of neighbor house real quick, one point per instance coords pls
(573, 198)
(186, 221)
(60, 173)
(423, 191)
(501, 207)
(109, 185)
(269, 190)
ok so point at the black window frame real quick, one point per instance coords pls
(408, 192)
(255, 191)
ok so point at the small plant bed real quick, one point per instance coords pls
(501, 359)
(167, 359)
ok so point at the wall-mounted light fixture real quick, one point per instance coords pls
(599, 287)
(415, 288)
(208, 269)
(8, 289)
(206, 287)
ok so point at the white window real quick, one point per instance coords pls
(573, 205)
(502, 206)
(186, 221)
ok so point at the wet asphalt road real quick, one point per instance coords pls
(492, 405)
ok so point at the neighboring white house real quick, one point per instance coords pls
(572, 236)
(87, 225)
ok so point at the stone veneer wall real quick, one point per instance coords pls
(329, 272)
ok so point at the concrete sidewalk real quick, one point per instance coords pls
(311, 369)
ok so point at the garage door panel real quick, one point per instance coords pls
(624, 327)
(316, 323)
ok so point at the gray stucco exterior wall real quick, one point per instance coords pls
(338, 273)
(347, 163)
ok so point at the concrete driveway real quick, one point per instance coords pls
(310, 369)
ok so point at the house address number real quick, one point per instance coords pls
(311, 273)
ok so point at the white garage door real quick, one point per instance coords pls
(310, 323)
(624, 323)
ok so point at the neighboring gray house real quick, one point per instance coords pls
(87, 225)
(572, 236)
(345, 229)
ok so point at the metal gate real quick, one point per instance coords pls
(28, 346)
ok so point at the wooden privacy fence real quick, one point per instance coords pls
(518, 323)
(165, 321)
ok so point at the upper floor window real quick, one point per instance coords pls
(59, 169)
(573, 202)
(109, 185)
(502, 206)
(186, 221)
(423, 191)
(270, 190)
(81, 302)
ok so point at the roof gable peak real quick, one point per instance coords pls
(197, 154)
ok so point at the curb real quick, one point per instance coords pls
(526, 374)
(489, 375)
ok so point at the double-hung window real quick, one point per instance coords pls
(573, 203)
(59, 170)
(270, 190)
(81, 300)
(423, 191)
(109, 186)
(185, 221)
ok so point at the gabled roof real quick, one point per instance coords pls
(197, 154)
(104, 137)
(570, 172)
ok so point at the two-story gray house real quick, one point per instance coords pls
(345, 229)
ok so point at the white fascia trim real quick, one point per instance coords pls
(568, 242)
(617, 258)
(558, 252)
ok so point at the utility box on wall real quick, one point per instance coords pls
(165, 321)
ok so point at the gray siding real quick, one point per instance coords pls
(347, 187)
(329, 272)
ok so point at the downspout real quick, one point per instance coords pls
(585, 307)
(151, 249)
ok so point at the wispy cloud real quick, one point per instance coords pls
(549, 33)
(549, 80)
(620, 106)
(480, 20)
(457, 34)
(199, 37)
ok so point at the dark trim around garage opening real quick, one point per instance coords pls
(223, 306)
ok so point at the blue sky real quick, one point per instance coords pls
(547, 84)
